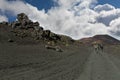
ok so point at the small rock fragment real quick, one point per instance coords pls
(10, 40)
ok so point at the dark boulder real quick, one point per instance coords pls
(54, 36)
(24, 21)
(46, 34)
(15, 24)
(36, 24)
(22, 16)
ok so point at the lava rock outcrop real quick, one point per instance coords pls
(24, 28)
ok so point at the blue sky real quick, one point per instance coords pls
(47, 4)
(115, 3)
(41, 4)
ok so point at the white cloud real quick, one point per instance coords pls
(106, 17)
(14, 7)
(3, 18)
(76, 18)
(105, 7)
(115, 26)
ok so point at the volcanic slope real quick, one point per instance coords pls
(23, 55)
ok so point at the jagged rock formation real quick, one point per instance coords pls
(23, 22)
(24, 28)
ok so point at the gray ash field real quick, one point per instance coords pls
(24, 56)
(34, 62)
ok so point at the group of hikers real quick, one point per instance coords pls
(98, 46)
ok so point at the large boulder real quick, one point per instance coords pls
(46, 34)
(36, 26)
(54, 36)
(15, 24)
(24, 20)
(22, 16)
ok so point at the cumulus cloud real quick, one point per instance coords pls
(115, 26)
(14, 7)
(105, 7)
(3, 18)
(106, 17)
(75, 18)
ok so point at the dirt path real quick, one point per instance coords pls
(101, 66)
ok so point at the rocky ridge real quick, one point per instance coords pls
(25, 29)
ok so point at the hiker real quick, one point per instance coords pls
(98, 46)
(101, 46)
